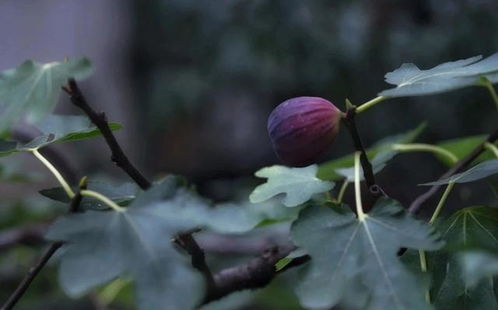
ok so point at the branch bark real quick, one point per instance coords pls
(100, 120)
(256, 273)
(419, 202)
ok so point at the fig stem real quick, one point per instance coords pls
(370, 103)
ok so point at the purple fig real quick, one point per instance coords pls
(302, 129)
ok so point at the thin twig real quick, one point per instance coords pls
(35, 270)
(349, 120)
(462, 164)
(100, 120)
(198, 258)
(30, 276)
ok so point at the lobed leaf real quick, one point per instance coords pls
(360, 256)
(411, 81)
(31, 90)
(101, 246)
(469, 228)
(137, 243)
(297, 184)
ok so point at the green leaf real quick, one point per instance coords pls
(473, 227)
(57, 129)
(121, 194)
(478, 172)
(297, 184)
(455, 294)
(462, 147)
(328, 170)
(411, 81)
(102, 246)
(348, 253)
(32, 89)
(478, 265)
(229, 218)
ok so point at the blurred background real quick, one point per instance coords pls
(193, 83)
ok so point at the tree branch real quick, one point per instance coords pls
(122, 161)
(35, 270)
(256, 273)
(100, 120)
(349, 121)
(198, 258)
(462, 164)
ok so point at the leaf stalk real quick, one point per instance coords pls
(370, 103)
(422, 147)
(102, 198)
(357, 188)
(55, 172)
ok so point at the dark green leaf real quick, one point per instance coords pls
(478, 172)
(32, 89)
(474, 227)
(478, 265)
(101, 246)
(348, 253)
(194, 212)
(57, 129)
(462, 147)
(297, 184)
(411, 81)
(327, 170)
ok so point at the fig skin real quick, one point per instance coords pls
(302, 129)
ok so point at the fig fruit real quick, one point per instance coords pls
(301, 129)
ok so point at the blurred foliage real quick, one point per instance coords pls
(191, 55)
